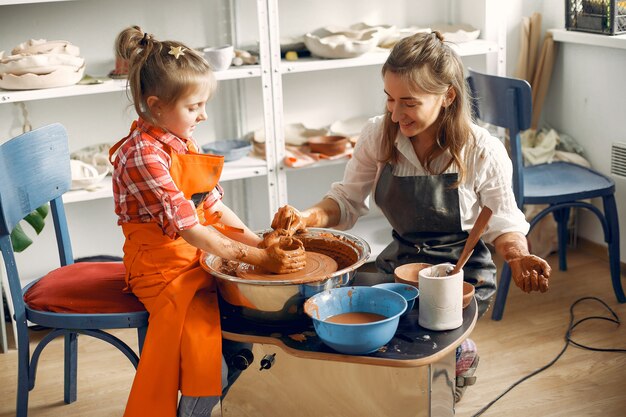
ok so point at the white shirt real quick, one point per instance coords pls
(488, 180)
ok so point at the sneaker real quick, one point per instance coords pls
(464, 380)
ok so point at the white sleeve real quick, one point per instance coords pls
(494, 175)
(359, 176)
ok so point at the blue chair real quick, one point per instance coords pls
(506, 102)
(76, 298)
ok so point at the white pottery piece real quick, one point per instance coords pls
(394, 36)
(219, 57)
(457, 33)
(85, 175)
(38, 64)
(346, 44)
(61, 77)
(43, 46)
(441, 298)
(383, 31)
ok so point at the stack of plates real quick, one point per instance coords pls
(41, 64)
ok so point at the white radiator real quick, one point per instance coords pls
(618, 173)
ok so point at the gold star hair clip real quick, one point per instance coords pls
(177, 51)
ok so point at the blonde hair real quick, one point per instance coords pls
(154, 71)
(425, 61)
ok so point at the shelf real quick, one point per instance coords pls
(246, 167)
(10, 2)
(317, 64)
(585, 38)
(10, 96)
(476, 47)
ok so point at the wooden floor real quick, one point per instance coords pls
(581, 383)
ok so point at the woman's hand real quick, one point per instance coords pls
(530, 273)
(284, 256)
(290, 219)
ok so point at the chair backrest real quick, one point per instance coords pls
(34, 170)
(504, 102)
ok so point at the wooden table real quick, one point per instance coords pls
(413, 375)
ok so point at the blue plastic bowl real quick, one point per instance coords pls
(361, 338)
(231, 149)
(409, 292)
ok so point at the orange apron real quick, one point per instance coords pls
(183, 346)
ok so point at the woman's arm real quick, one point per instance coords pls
(529, 272)
(326, 213)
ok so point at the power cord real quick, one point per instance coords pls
(568, 340)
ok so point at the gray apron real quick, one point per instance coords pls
(425, 216)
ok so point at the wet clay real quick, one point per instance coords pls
(355, 318)
(317, 265)
(325, 254)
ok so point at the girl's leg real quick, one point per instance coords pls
(201, 406)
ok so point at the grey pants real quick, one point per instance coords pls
(201, 406)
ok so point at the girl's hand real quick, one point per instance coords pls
(288, 218)
(530, 273)
(285, 256)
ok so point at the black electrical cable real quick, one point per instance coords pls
(568, 341)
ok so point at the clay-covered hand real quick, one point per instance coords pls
(272, 238)
(288, 218)
(285, 256)
(530, 273)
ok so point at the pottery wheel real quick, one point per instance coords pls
(317, 266)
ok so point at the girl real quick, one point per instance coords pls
(431, 170)
(157, 177)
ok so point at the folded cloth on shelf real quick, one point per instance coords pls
(301, 156)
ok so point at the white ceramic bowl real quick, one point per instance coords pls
(326, 44)
(219, 57)
(85, 176)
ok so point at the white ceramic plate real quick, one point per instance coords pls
(345, 44)
(39, 64)
(61, 77)
(42, 46)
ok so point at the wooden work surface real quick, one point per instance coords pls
(411, 346)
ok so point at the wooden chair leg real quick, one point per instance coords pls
(71, 367)
(501, 293)
(22, 376)
(141, 336)
(612, 240)
(562, 219)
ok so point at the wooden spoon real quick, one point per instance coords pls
(472, 239)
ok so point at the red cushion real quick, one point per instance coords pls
(83, 287)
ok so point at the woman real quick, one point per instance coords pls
(430, 169)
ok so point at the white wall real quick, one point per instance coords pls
(586, 101)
